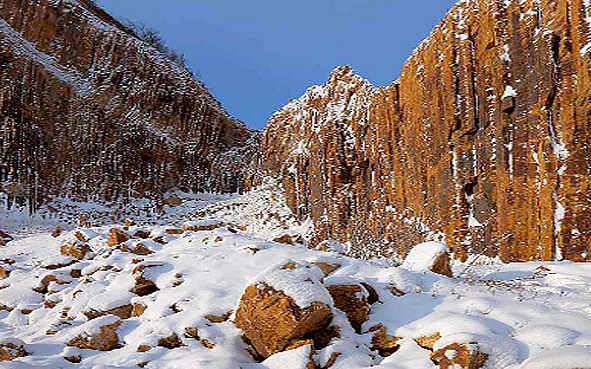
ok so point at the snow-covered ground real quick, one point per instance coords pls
(524, 316)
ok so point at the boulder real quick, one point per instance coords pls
(352, 300)
(456, 356)
(116, 236)
(4, 273)
(428, 342)
(429, 256)
(122, 312)
(57, 231)
(103, 339)
(382, 342)
(286, 304)
(5, 238)
(11, 349)
(141, 233)
(138, 249)
(143, 286)
(171, 342)
(76, 249)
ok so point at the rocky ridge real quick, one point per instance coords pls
(483, 141)
(89, 110)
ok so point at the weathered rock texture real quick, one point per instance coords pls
(483, 140)
(86, 108)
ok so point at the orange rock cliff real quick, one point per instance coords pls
(483, 141)
(87, 109)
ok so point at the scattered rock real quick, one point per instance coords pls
(143, 348)
(52, 265)
(465, 356)
(193, 332)
(45, 281)
(143, 286)
(219, 319)
(76, 273)
(57, 231)
(138, 309)
(270, 319)
(116, 237)
(4, 273)
(290, 240)
(4, 238)
(138, 249)
(75, 249)
(382, 342)
(173, 231)
(326, 267)
(428, 342)
(218, 239)
(202, 225)
(171, 342)
(395, 291)
(141, 233)
(351, 300)
(11, 349)
(72, 355)
(123, 312)
(173, 201)
(106, 340)
(129, 222)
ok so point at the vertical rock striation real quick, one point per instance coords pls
(483, 141)
(86, 108)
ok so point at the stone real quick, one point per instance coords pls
(352, 301)
(5, 238)
(122, 312)
(174, 231)
(143, 348)
(442, 266)
(382, 342)
(141, 234)
(57, 231)
(4, 273)
(173, 201)
(116, 237)
(105, 340)
(171, 342)
(143, 286)
(464, 356)
(46, 280)
(75, 249)
(428, 342)
(138, 309)
(11, 350)
(218, 319)
(326, 268)
(138, 249)
(271, 319)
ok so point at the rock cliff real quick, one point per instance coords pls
(88, 109)
(483, 141)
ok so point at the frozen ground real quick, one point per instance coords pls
(524, 315)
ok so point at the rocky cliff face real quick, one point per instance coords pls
(86, 108)
(482, 141)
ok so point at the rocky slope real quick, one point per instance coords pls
(86, 108)
(482, 141)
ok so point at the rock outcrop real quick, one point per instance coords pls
(88, 109)
(483, 141)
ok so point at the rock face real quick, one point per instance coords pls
(483, 141)
(86, 108)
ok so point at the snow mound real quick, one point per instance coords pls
(422, 256)
(567, 357)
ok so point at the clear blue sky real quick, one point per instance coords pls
(256, 55)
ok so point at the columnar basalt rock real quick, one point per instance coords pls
(483, 141)
(88, 109)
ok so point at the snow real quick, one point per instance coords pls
(509, 92)
(521, 315)
(422, 256)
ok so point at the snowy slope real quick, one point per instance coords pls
(523, 315)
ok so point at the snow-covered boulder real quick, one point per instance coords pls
(456, 356)
(429, 256)
(76, 249)
(11, 349)
(282, 305)
(99, 334)
(352, 298)
(116, 236)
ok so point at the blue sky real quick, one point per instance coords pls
(256, 55)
